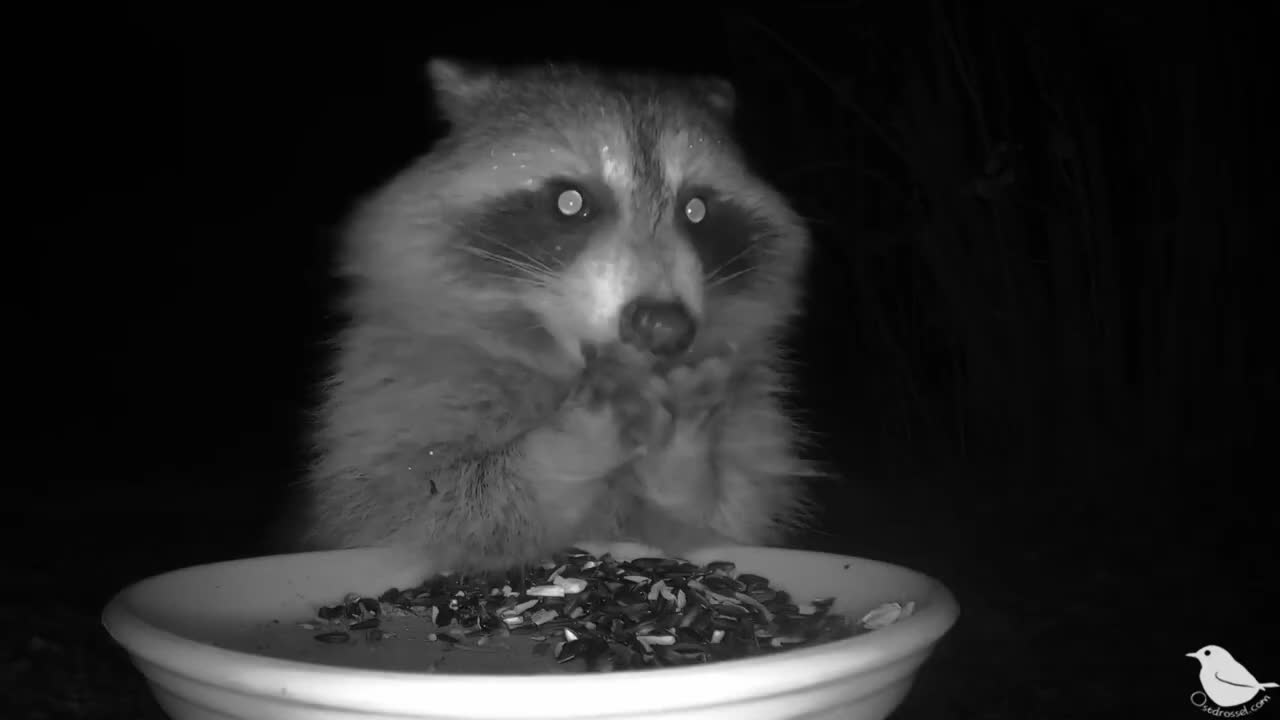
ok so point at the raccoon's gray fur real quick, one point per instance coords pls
(488, 405)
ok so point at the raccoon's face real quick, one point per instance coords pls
(614, 208)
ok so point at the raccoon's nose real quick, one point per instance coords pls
(662, 327)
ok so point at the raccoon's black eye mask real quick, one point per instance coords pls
(728, 238)
(537, 231)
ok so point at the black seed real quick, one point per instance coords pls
(636, 613)
(332, 612)
(690, 635)
(571, 650)
(560, 622)
(333, 638)
(689, 651)
(652, 563)
(722, 584)
(631, 597)
(733, 611)
(613, 610)
(572, 603)
(691, 615)
(722, 622)
(666, 621)
(467, 614)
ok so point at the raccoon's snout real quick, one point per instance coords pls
(662, 327)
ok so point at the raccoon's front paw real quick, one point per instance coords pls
(695, 393)
(618, 388)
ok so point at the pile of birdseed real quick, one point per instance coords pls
(603, 614)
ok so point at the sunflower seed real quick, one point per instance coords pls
(612, 615)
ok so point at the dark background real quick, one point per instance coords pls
(1036, 349)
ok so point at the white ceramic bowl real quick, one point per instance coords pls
(190, 632)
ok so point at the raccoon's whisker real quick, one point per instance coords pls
(516, 251)
(522, 271)
(497, 258)
(722, 266)
(532, 282)
(526, 269)
(722, 280)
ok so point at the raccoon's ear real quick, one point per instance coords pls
(457, 87)
(718, 93)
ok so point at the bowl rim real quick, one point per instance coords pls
(407, 692)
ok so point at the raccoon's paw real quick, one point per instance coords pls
(619, 390)
(695, 393)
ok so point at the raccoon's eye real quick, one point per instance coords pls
(570, 202)
(695, 210)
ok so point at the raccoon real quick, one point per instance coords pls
(565, 325)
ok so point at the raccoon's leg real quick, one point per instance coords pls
(729, 473)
